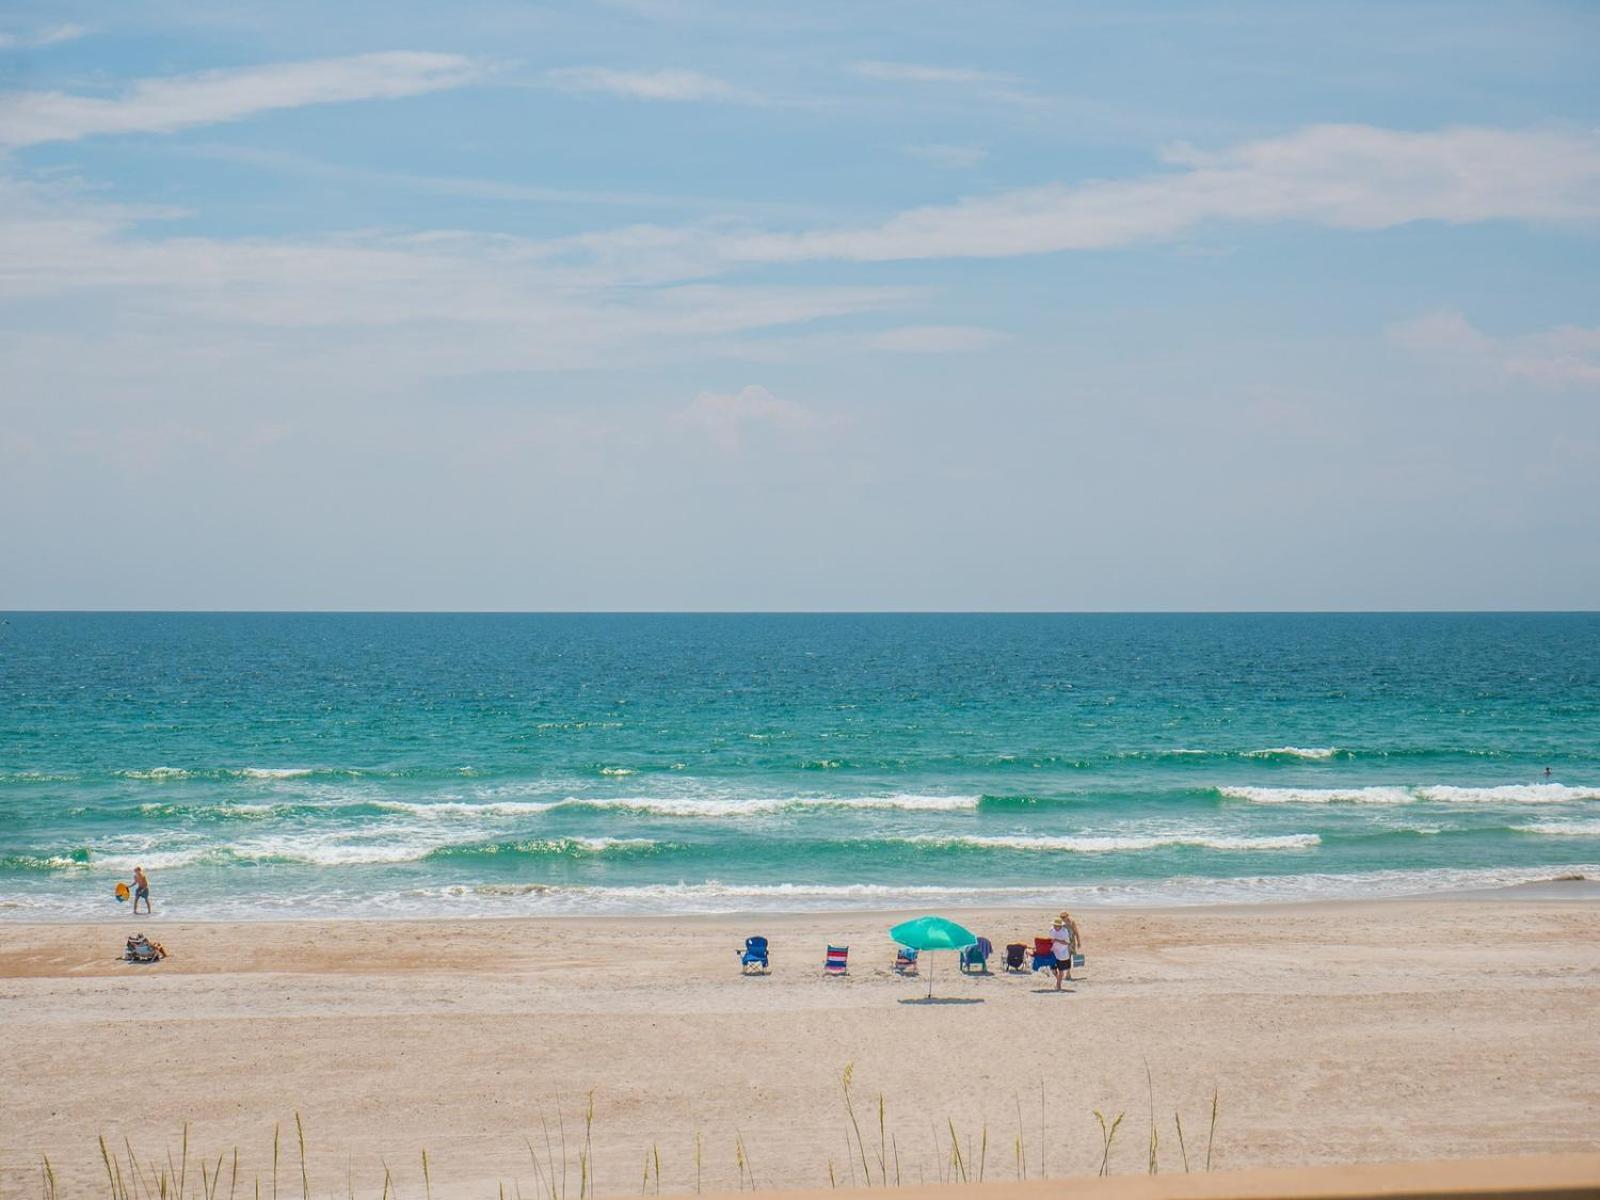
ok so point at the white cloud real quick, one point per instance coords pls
(991, 85)
(165, 105)
(667, 85)
(1340, 176)
(727, 417)
(404, 307)
(43, 37)
(1562, 357)
(904, 72)
(951, 158)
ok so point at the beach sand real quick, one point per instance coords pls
(1333, 1032)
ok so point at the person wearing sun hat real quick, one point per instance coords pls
(1064, 941)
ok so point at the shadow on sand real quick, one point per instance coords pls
(942, 1000)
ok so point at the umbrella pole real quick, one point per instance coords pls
(930, 977)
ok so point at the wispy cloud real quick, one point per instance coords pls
(993, 85)
(904, 72)
(668, 85)
(179, 102)
(1564, 357)
(419, 306)
(52, 36)
(948, 157)
(1338, 176)
(727, 418)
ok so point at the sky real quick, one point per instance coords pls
(657, 305)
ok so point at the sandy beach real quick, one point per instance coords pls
(1338, 1032)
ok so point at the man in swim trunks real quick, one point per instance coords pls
(1063, 941)
(141, 890)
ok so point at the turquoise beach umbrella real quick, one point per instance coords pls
(933, 933)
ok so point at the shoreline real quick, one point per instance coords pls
(1560, 888)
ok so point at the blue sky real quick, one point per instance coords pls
(652, 304)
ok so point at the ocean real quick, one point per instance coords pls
(274, 765)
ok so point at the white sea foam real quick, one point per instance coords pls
(679, 806)
(453, 808)
(154, 860)
(670, 806)
(714, 896)
(275, 772)
(1566, 829)
(1313, 752)
(491, 900)
(156, 773)
(1300, 795)
(1514, 793)
(332, 851)
(1111, 843)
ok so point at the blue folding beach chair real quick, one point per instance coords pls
(1043, 954)
(754, 955)
(905, 961)
(975, 958)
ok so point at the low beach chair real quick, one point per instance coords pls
(1016, 957)
(975, 958)
(1044, 956)
(905, 961)
(754, 955)
(837, 961)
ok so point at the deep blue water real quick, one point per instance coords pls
(317, 764)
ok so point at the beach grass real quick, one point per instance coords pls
(955, 1157)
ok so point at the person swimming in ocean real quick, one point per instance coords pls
(141, 890)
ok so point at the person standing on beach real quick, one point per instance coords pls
(141, 890)
(1064, 940)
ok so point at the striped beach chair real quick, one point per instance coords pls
(837, 961)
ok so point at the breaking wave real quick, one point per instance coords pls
(1514, 793)
(1109, 844)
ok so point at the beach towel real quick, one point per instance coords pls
(975, 958)
(1043, 953)
(905, 961)
(141, 949)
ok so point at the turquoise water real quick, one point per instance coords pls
(271, 765)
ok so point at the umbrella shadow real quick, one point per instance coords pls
(1050, 991)
(942, 1000)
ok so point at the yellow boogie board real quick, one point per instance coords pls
(122, 892)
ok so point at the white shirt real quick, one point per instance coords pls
(1061, 944)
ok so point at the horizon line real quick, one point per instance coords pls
(805, 612)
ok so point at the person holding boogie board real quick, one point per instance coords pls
(141, 890)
